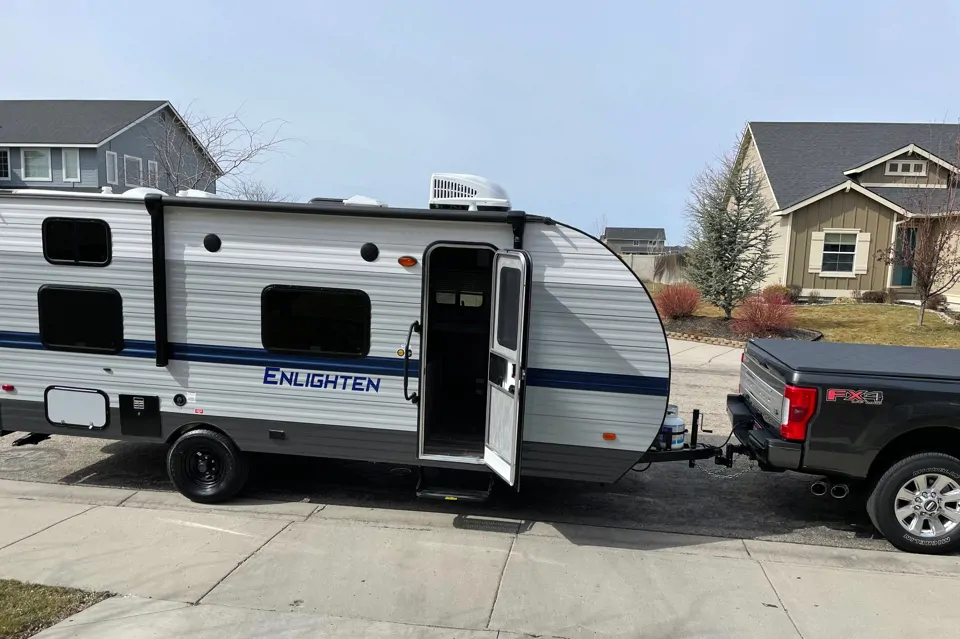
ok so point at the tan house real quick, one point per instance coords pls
(840, 191)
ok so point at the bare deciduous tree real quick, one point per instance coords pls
(600, 225)
(257, 191)
(928, 242)
(224, 151)
(729, 232)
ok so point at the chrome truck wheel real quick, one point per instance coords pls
(916, 503)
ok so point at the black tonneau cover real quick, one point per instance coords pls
(864, 359)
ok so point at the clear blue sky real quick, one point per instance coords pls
(577, 111)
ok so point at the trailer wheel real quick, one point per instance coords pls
(206, 466)
(916, 504)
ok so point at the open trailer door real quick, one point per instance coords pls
(506, 375)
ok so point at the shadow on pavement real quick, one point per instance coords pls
(667, 498)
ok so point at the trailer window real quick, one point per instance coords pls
(76, 241)
(79, 319)
(508, 308)
(319, 321)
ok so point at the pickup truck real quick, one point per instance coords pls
(886, 418)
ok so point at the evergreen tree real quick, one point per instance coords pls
(730, 233)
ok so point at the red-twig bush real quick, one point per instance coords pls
(674, 301)
(765, 315)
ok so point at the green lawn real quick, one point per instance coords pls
(26, 609)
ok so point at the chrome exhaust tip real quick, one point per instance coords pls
(819, 488)
(839, 491)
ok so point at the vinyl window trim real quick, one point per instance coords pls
(9, 175)
(115, 178)
(841, 274)
(23, 165)
(126, 180)
(910, 173)
(63, 165)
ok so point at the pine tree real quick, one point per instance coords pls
(730, 233)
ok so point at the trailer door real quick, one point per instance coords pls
(506, 375)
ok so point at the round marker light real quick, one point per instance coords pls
(407, 260)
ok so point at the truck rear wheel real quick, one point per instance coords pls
(206, 466)
(916, 504)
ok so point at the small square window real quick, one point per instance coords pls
(446, 298)
(85, 320)
(894, 167)
(918, 168)
(76, 241)
(471, 300)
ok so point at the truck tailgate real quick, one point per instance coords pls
(761, 385)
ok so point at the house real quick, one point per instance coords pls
(839, 192)
(634, 241)
(86, 145)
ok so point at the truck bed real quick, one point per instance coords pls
(864, 359)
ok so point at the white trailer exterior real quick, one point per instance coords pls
(181, 336)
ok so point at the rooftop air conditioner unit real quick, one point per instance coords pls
(466, 192)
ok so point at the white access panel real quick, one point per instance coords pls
(82, 407)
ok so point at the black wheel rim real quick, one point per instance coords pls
(204, 466)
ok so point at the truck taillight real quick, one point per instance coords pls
(799, 405)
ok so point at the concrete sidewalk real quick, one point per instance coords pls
(257, 568)
(695, 355)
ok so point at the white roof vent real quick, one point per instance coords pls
(197, 193)
(467, 192)
(140, 192)
(362, 200)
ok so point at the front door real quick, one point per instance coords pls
(506, 376)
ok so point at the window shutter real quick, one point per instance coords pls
(862, 260)
(816, 251)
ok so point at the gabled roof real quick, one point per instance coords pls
(632, 233)
(920, 201)
(803, 159)
(69, 122)
(911, 149)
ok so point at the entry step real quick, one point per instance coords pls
(454, 485)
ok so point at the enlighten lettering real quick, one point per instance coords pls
(276, 376)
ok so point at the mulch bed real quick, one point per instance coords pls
(717, 327)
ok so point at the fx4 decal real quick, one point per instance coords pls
(854, 396)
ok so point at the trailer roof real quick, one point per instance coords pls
(864, 359)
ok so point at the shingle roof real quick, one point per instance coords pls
(68, 121)
(631, 233)
(802, 159)
(921, 201)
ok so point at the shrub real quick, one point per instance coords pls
(794, 293)
(761, 316)
(814, 297)
(857, 296)
(674, 301)
(873, 297)
(775, 291)
(937, 302)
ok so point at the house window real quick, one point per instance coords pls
(317, 321)
(112, 177)
(4, 164)
(636, 242)
(839, 250)
(907, 168)
(132, 171)
(36, 165)
(76, 241)
(71, 165)
(79, 319)
(153, 174)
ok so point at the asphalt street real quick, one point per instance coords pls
(742, 502)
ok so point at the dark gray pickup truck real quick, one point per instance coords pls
(884, 417)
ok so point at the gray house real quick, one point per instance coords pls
(634, 241)
(86, 145)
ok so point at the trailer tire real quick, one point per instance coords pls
(206, 466)
(931, 481)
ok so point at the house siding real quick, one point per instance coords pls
(89, 175)
(139, 142)
(844, 210)
(936, 174)
(751, 158)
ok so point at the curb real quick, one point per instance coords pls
(719, 341)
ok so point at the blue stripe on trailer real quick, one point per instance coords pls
(385, 366)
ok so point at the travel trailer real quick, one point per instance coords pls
(465, 335)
